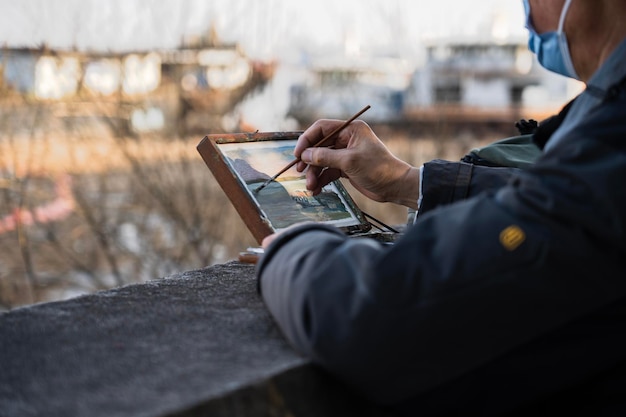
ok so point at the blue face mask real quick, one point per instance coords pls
(551, 48)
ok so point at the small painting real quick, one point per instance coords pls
(242, 162)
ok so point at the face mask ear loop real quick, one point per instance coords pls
(567, 58)
(563, 15)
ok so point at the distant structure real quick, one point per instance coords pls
(339, 86)
(462, 82)
(188, 89)
(484, 79)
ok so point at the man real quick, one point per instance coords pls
(508, 294)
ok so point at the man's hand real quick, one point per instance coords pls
(357, 154)
(267, 240)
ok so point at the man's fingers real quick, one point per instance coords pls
(327, 176)
(322, 157)
(315, 133)
(317, 177)
(301, 166)
(267, 240)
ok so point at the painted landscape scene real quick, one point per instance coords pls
(286, 200)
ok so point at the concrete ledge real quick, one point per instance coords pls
(197, 343)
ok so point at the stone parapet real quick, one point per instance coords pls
(192, 344)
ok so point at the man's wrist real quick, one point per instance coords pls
(408, 188)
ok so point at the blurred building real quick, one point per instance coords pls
(338, 87)
(462, 81)
(486, 75)
(187, 89)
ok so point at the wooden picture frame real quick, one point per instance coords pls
(241, 162)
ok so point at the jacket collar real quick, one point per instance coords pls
(610, 73)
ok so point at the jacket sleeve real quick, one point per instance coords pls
(445, 182)
(468, 282)
(447, 298)
(485, 168)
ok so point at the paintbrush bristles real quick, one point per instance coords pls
(319, 143)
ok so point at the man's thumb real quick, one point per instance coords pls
(321, 157)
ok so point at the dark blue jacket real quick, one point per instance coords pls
(507, 296)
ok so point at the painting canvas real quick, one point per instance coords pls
(242, 162)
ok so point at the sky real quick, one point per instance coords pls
(264, 28)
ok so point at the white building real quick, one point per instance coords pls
(488, 74)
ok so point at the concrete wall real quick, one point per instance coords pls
(194, 344)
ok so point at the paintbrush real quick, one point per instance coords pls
(319, 143)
